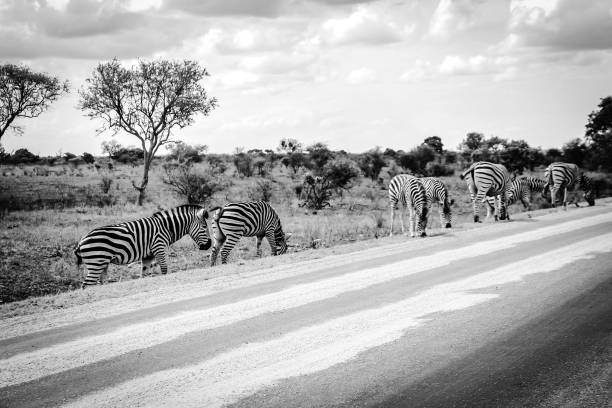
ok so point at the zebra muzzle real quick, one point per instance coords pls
(205, 246)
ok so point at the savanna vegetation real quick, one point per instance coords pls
(323, 197)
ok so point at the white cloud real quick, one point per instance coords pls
(561, 24)
(362, 26)
(421, 70)
(478, 64)
(361, 75)
(452, 15)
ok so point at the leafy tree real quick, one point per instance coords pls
(147, 101)
(25, 94)
(553, 155)
(111, 148)
(289, 145)
(184, 153)
(472, 141)
(243, 162)
(129, 155)
(295, 161)
(69, 156)
(435, 142)
(319, 154)
(371, 163)
(575, 151)
(599, 134)
(88, 158)
(24, 156)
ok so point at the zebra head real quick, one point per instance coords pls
(587, 187)
(198, 230)
(422, 221)
(280, 239)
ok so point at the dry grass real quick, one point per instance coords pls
(36, 246)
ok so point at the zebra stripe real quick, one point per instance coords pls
(436, 192)
(567, 176)
(146, 240)
(408, 191)
(487, 179)
(520, 189)
(249, 219)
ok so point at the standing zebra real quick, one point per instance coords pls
(249, 219)
(408, 191)
(146, 240)
(567, 175)
(521, 189)
(436, 191)
(487, 179)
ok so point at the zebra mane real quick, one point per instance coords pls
(162, 213)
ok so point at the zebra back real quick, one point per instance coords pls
(250, 219)
(396, 186)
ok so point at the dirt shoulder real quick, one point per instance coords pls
(103, 301)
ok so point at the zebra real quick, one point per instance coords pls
(487, 179)
(247, 219)
(436, 191)
(560, 175)
(521, 189)
(146, 240)
(409, 191)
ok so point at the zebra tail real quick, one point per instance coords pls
(79, 260)
(466, 172)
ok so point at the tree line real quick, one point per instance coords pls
(152, 99)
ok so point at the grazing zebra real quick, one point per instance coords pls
(146, 240)
(396, 186)
(249, 219)
(409, 191)
(521, 189)
(437, 192)
(567, 175)
(487, 179)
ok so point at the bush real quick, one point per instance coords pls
(195, 185)
(88, 158)
(23, 156)
(244, 163)
(336, 175)
(128, 155)
(184, 153)
(438, 170)
(261, 190)
(105, 184)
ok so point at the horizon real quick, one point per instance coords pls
(351, 74)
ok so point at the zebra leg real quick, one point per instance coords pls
(402, 215)
(392, 218)
(412, 220)
(161, 258)
(230, 242)
(553, 196)
(259, 240)
(478, 199)
(565, 199)
(272, 241)
(95, 273)
(219, 241)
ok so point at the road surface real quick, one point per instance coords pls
(512, 314)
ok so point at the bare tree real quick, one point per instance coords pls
(25, 94)
(147, 101)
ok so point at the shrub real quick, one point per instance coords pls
(336, 175)
(244, 163)
(261, 190)
(195, 185)
(106, 183)
(23, 156)
(88, 158)
(184, 153)
(438, 170)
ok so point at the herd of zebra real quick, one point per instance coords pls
(148, 239)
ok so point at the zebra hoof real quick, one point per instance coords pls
(476, 219)
(423, 234)
(448, 225)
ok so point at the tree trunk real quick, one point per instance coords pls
(145, 180)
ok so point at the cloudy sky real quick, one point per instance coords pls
(353, 74)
